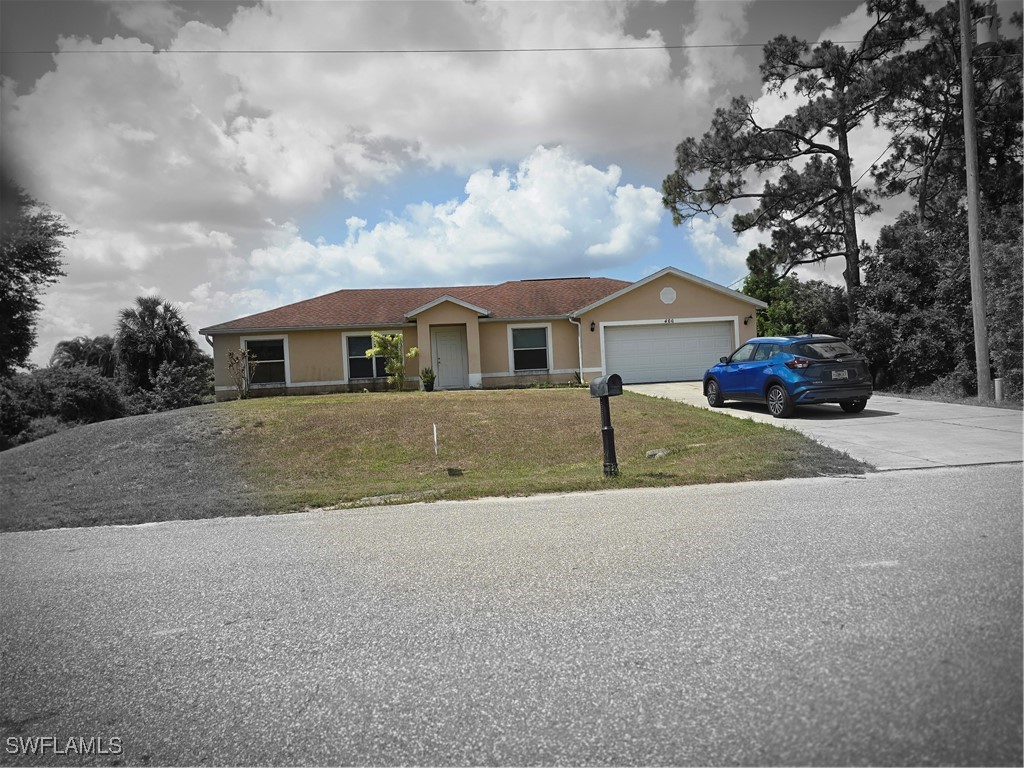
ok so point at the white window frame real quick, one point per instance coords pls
(287, 365)
(345, 336)
(512, 351)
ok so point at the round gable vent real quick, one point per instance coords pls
(668, 295)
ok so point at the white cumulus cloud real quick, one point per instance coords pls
(552, 214)
(155, 20)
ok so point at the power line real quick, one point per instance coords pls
(738, 280)
(888, 146)
(357, 51)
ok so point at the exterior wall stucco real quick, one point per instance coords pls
(493, 348)
(222, 344)
(692, 301)
(567, 346)
(563, 346)
(315, 356)
(316, 360)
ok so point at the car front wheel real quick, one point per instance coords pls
(853, 406)
(715, 399)
(779, 403)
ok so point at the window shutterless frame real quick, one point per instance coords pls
(271, 353)
(529, 347)
(357, 364)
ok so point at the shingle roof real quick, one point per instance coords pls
(388, 306)
(545, 298)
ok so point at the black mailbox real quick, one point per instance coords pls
(606, 386)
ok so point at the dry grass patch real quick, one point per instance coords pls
(370, 447)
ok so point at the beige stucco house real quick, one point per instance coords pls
(669, 326)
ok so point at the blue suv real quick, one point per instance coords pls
(787, 371)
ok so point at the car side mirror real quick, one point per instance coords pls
(723, 359)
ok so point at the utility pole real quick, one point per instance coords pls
(981, 358)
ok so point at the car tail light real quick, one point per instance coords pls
(799, 362)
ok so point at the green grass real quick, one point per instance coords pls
(353, 449)
(273, 455)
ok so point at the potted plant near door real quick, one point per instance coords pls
(427, 377)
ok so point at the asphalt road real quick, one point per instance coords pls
(870, 620)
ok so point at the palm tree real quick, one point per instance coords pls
(97, 353)
(71, 352)
(149, 333)
(102, 355)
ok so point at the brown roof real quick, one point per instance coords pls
(388, 306)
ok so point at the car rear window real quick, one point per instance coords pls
(823, 350)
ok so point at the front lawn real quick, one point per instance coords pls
(373, 447)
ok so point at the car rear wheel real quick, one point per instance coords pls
(853, 406)
(779, 403)
(715, 399)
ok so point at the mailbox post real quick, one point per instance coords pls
(605, 387)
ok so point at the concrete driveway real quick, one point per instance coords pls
(891, 433)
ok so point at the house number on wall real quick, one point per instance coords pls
(669, 320)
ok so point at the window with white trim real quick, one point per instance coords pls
(359, 365)
(269, 355)
(530, 349)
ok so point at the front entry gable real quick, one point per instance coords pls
(448, 332)
(447, 299)
(665, 289)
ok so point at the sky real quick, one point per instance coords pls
(232, 156)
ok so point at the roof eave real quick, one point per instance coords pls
(214, 331)
(523, 318)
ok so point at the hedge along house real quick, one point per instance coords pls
(670, 326)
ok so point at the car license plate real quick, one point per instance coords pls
(840, 375)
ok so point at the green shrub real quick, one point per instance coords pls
(80, 394)
(390, 347)
(22, 398)
(176, 386)
(31, 402)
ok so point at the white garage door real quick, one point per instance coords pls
(666, 352)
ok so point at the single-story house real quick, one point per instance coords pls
(669, 326)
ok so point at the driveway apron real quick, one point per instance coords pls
(891, 433)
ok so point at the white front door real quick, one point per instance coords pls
(451, 358)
